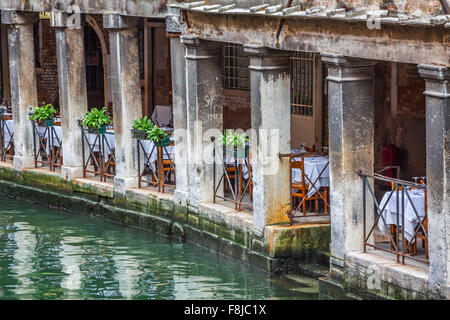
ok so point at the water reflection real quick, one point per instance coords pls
(48, 254)
(23, 258)
(127, 275)
(71, 256)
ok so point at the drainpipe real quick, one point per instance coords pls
(280, 26)
(446, 6)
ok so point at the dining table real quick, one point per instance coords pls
(8, 132)
(316, 169)
(416, 204)
(109, 142)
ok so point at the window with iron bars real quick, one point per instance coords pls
(302, 84)
(236, 74)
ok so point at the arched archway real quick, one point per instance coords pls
(96, 51)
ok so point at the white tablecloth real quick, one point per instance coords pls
(148, 147)
(57, 138)
(8, 131)
(390, 212)
(313, 167)
(95, 143)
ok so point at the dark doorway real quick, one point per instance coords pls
(94, 69)
(157, 70)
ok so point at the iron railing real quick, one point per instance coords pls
(158, 167)
(241, 186)
(47, 146)
(101, 157)
(311, 185)
(401, 190)
(7, 144)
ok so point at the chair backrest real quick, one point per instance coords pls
(299, 165)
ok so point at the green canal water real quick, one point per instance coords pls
(51, 254)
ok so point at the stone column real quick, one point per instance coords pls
(437, 92)
(271, 122)
(178, 64)
(72, 90)
(126, 95)
(204, 114)
(23, 83)
(351, 148)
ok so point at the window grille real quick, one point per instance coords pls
(302, 84)
(236, 73)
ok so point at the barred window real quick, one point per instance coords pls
(302, 83)
(236, 74)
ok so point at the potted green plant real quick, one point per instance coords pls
(159, 137)
(43, 116)
(96, 121)
(141, 128)
(235, 144)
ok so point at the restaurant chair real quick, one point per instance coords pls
(299, 190)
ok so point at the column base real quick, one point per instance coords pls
(121, 184)
(180, 198)
(21, 163)
(70, 173)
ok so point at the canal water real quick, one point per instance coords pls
(52, 254)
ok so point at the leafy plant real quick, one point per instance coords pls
(43, 113)
(96, 118)
(143, 124)
(156, 134)
(234, 140)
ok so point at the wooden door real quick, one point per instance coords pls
(158, 76)
(306, 100)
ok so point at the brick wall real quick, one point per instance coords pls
(236, 109)
(47, 73)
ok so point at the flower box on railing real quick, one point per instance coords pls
(44, 123)
(101, 130)
(238, 153)
(163, 142)
(139, 134)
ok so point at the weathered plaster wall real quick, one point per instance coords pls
(399, 43)
(142, 8)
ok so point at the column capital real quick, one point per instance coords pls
(173, 25)
(434, 72)
(117, 21)
(198, 49)
(266, 59)
(436, 80)
(339, 60)
(60, 19)
(347, 69)
(18, 17)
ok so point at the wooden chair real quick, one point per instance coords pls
(300, 189)
(420, 234)
(167, 165)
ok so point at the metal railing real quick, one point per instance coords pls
(47, 146)
(320, 193)
(158, 167)
(398, 235)
(241, 186)
(101, 156)
(7, 144)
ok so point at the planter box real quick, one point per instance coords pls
(238, 153)
(44, 123)
(139, 134)
(102, 130)
(163, 142)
